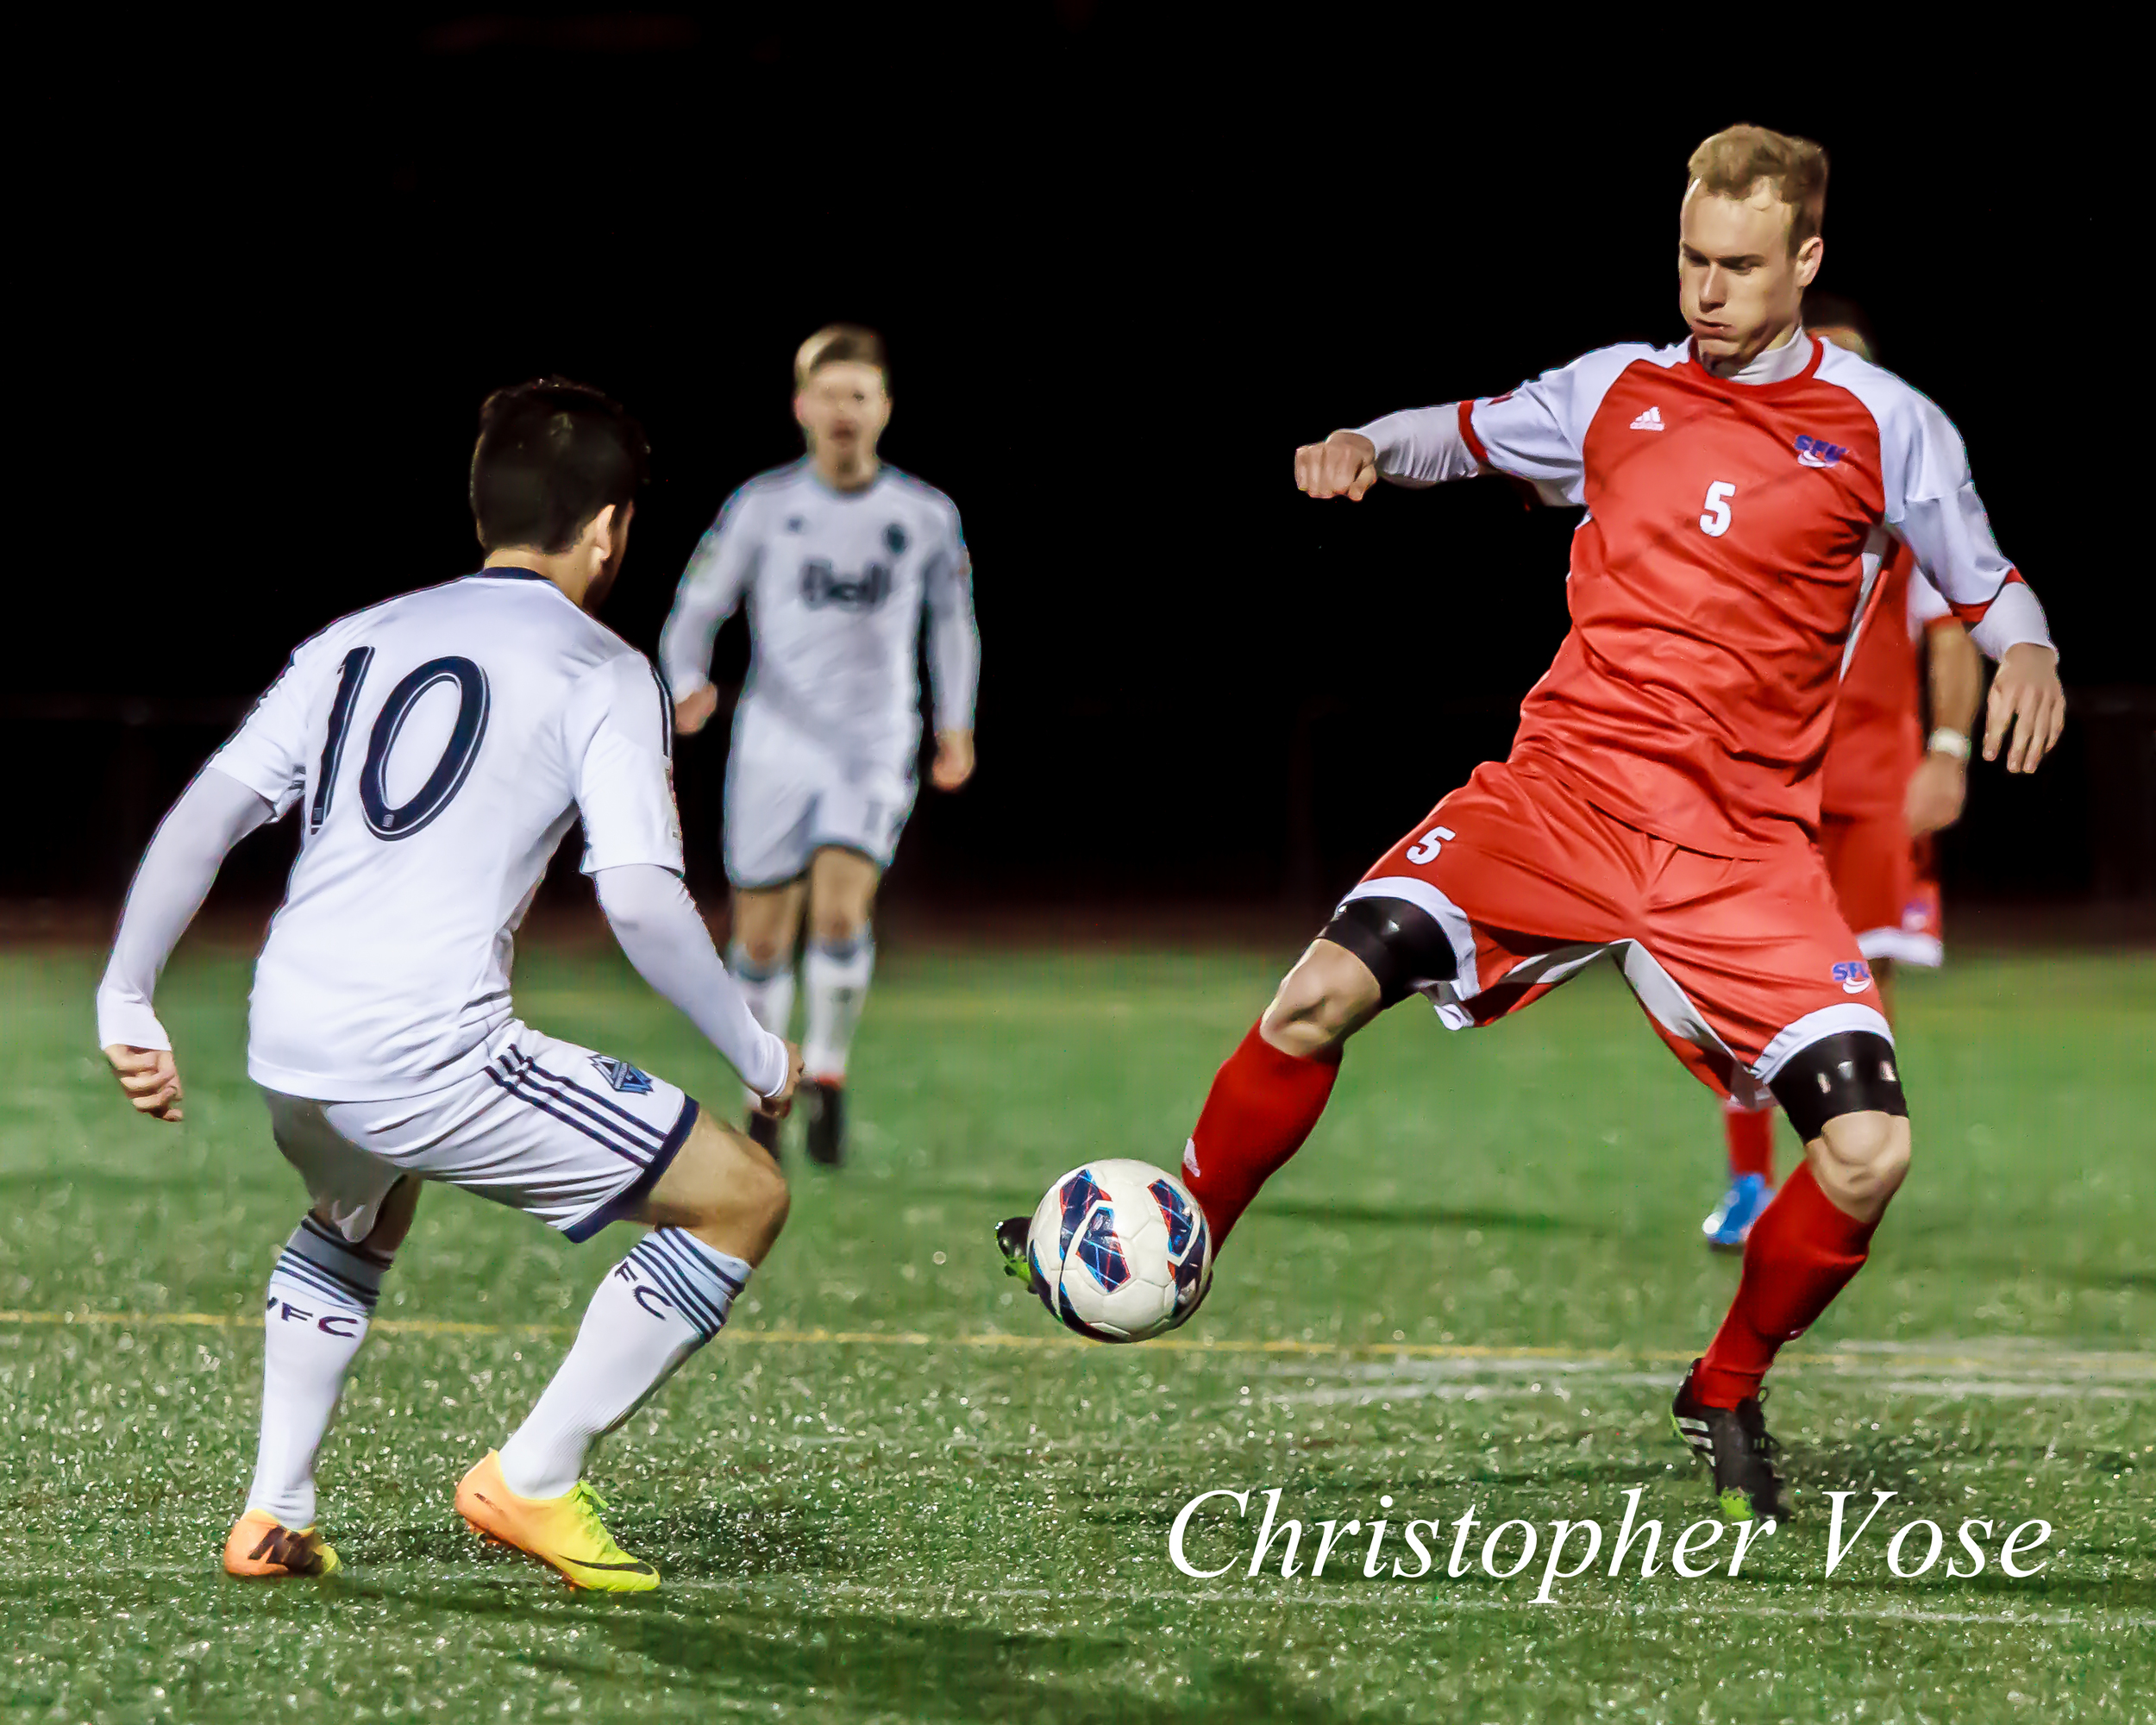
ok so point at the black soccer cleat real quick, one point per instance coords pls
(1734, 1441)
(765, 1130)
(824, 1107)
(1011, 1241)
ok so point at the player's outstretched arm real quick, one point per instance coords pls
(212, 815)
(656, 923)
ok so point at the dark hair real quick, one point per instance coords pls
(840, 344)
(551, 454)
(1832, 312)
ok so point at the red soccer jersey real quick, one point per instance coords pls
(1734, 532)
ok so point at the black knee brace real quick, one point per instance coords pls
(1852, 1073)
(1401, 943)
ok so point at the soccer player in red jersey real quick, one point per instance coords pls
(1662, 797)
(1885, 789)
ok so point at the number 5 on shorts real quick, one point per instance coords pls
(1426, 848)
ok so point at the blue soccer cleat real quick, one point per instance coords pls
(1733, 1217)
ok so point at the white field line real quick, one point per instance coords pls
(955, 1598)
(1388, 1363)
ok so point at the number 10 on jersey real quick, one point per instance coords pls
(465, 734)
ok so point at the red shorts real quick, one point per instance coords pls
(1740, 964)
(1886, 884)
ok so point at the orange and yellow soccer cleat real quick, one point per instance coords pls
(563, 1532)
(264, 1548)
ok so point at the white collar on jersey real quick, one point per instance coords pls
(1776, 363)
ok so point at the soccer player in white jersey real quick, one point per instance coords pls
(436, 748)
(837, 556)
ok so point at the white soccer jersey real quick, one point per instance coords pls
(437, 747)
(835, 582)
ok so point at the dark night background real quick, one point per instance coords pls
(1124, 264)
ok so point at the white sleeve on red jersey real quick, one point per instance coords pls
(1932, 506)
(1926, 606)
(1535, 432)
(1421, 446)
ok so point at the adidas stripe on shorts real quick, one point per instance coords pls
(574, 1137)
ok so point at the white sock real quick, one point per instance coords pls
(314, 1319)
(837, 978)
(767, 988)
(659, 1305)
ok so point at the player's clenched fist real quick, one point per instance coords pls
(2027, 700)
(693, 711)
(1344, 465)
(777, 1107)
(150, 1079)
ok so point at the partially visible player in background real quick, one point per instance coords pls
(837, 555)
(1885, 790)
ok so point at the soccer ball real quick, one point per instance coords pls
(1120, 1250)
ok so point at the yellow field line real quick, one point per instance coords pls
(2134, 1363)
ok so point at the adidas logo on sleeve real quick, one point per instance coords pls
(1649, 421)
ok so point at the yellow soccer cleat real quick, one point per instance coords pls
(563, 1532)
(261, 1547)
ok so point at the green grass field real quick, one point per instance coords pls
(894, 1491)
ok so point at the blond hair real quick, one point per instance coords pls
(1738, 159)
(839, 344)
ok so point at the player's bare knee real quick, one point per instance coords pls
(1843, 1093)
(765, 948)
(757, 1193)
(1326, 998)
(838, 924)
(1860, 1159)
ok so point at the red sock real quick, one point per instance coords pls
(1750, 1140)
(1262, 1106)
(1801, 1252)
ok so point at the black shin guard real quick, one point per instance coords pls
(1853, 1072)
(1401, 943)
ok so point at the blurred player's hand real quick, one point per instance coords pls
(692, 713)
(2026, 701)
(1344, 465)
(953, 760)
(778, 1107)
(150, 1079)
(1936, 794)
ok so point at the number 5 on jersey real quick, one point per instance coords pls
(1716, 522)
(1426, 848)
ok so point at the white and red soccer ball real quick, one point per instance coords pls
(1120, 1250)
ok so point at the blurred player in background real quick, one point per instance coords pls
(837, 555)
(1884, 791)
(437, 748)
(1661, 798)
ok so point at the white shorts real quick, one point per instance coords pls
(788, 797)
(574, 1137)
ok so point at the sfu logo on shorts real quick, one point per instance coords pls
(1817, 452)
(1854, 976)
